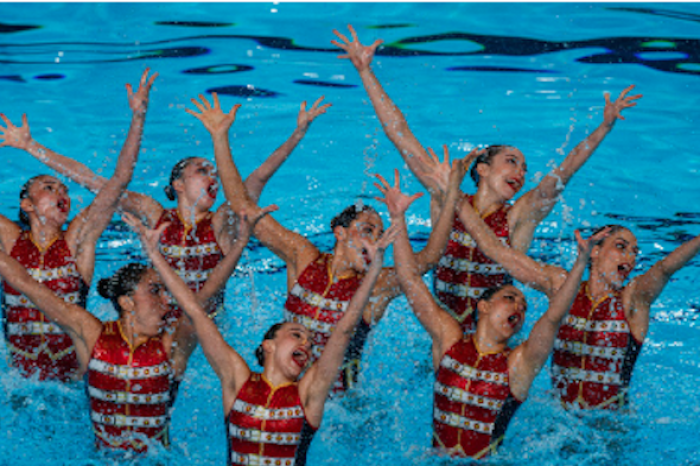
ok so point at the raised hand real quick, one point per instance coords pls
(307, 116)
(585, 246)
(213, 118)
(247, 222)
(613, 110)
(360, 55)
(149, 237)
(375, 248)
(138, 101)
(396, 202)
(18, 137)
(445, 174)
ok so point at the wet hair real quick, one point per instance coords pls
(614, 228)
(24, 194)
(486, 157)
(269, 335)
(176, 174)
(122, 283)
(350, 213)
(487, 295)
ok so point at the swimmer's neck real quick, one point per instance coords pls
(44, 234)
(340, 266)
(191, 214)
(275, 377)
(488, 341)
(487, 202)
(598, 286)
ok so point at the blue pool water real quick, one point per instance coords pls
(532, 75)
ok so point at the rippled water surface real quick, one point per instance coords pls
(531, 75)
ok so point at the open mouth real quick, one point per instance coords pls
(624, 269)
(515, 184)
(515, 319)
(62, 205)
(365, 256)
(213, 190)
(300, 357)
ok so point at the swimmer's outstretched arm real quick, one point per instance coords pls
(443, 329)
(527, 359)
(295, 250)
(84, 231)
(20, 137)
(388, 284)
(535, 205)
(229, 366)
(257, 180)
(83, 327)
(393, 121)
(317, 382)
(646, 288)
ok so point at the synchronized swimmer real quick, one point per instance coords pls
(594, 328)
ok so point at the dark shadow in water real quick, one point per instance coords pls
(243, 91)
(13, 77)
(10, 28)
(497, 68)
(311, 82)
(219, 69)
(193, 24)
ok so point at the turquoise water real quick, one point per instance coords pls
(532, 75)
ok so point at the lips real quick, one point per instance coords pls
(300, 356)
(62, 205)
(515, 319)
(624, 270)
(515, 184)
(213, 190)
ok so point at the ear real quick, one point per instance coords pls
(340, 233)
(483, 307)
(482, 169)
(595, 252)
(268, 347)
(178, 185)
(26, 205)
(126, 303)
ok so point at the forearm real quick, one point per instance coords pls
(221, 273)
(256, 181)
(73, 169)
(231, 180)
(437, 241)
(396, 128)
(652, 283)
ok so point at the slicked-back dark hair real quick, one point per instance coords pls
(24, 194)
(176, 174)
(269, 335)
(122, 283)
(350, 213)
(486, 157)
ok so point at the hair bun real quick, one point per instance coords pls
(105, 287)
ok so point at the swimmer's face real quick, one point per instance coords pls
(505, 173)
(504, 312)
(368, 226)
(613, 260)
(198, 184)
(147, 306)
(48, 199)
(290, 349)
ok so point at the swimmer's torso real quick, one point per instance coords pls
(594, 353)
(129, 390)
(37, 344)
(267, 425)
(464, 272)
(473, 403)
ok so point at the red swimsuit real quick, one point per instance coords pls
(267, 425)
(37, 344)
(473, 403)
(464, 272)
(318, 302)
(594, 353)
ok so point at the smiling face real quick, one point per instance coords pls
(197, 186)
(146, 307)
(504, 174)
(290, 350)
(47, 200)
(613, 260)
(366, 226)
(504, 312)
